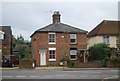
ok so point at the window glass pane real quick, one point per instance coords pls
(72, 40)
(51, 37)
(72, 36)
(52, 54)
(73, 56)
(106, 39)
(73, 52)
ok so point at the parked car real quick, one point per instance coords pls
(9, 60)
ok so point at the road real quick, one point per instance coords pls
(58, 74)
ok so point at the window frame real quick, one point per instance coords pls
(73, 38)
(71, 49)
(106, 39)
(52, 49)
(2, 35)
(49, 38)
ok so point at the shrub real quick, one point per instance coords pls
(98, 52)
(115, 61)
(70, 64)
(65, 58)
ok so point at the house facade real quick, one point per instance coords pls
(57, 40)
(5, 39)
(106, 32)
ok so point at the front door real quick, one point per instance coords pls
(43, 59)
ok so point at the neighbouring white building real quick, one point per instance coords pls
(106, 32)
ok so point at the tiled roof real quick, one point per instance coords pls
(60, 27)
(106, 28)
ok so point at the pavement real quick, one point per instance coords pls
(65, 68)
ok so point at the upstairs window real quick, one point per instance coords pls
(2, 35)
(106, 40)
(72, 38)
(73, 54)
(51, 38)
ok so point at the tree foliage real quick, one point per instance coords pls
(23, 47)
(20, 40)
(99, 52)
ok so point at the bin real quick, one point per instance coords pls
(103, 63)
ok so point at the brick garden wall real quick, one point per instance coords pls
(96, 64)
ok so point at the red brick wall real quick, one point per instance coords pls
(6, 49)
(62, 45)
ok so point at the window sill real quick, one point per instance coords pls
(52, 60)
(73, 59)
(51, 43)
(73, 43)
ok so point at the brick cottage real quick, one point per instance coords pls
(57, 40)
(5, 40)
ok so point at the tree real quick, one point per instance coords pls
(22, 48)
(20, 40)
(24, 51)
(99, 52)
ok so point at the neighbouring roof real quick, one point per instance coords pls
(7, 34)
(60, 27)
(106, 27)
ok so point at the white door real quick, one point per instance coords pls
(43, 59)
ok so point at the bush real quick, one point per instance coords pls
(65, 58)
(70, 64)
(98, 52)
(115, 61)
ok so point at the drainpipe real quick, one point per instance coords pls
(84, 57)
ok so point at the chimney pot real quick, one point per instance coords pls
(56, 17)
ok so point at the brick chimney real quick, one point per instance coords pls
(56, 17)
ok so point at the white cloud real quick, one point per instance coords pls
(60, 0)
(26, 17)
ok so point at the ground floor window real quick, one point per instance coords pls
(73, 53)
(52, 54)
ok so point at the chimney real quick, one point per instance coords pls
(56, 17)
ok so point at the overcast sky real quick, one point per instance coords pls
(26, 17)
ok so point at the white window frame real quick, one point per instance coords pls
(106, 39)
(54, 38)
(2, 35)
(73, 54)
(75, 37)
(49, 54)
